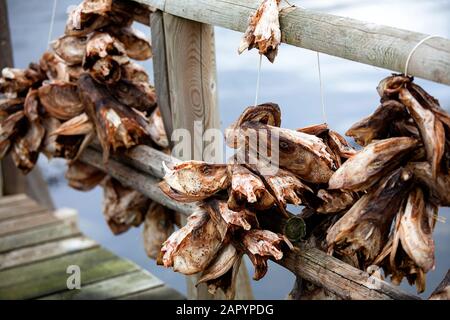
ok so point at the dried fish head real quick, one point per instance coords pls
(16, 82)
(247, 189)
(218, 210)
(71, 49)
(135, 42)
(287, 188)
(9, 106)
(303, 154)
(416, 230)
(122, 207)
(364, 229)
(261, 245)
(222, 272)
(263, 31)
(9, 128)
(157, 131)
(117, 126)
(88, 16)
(158, 226)
(138, 95)
(61, 100)
(267, 113)
(195, 180)
(79, 125)
(54, 67)
(315, 130)
(390, 86)
(25, 150)
(192, 248)
(378, 124)
(431, 129)
(104, 57)
(334, 201)
(438, 188)
(134, 72)
(83, 177)
(364, 169)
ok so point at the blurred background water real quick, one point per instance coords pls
(292, 82)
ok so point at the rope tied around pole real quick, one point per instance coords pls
(413, 50)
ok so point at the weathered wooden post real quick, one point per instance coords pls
(186, 84)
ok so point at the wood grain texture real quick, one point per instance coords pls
(46, 277)
(158, 293)
(112, 288)
(308, 263)
(369, 43)
(63, 229)
(44, 251)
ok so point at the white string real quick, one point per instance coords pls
(322, 99)
(50, 31)
(258, 80)
(414, 50)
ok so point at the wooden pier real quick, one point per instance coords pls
(37, 246)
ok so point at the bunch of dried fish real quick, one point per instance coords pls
(86, 87)
(403, 171)
(238, 197)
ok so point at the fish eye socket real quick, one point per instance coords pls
(206, 170)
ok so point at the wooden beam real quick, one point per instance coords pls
(369, 43)
(308, 263)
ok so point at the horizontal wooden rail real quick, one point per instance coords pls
(364, 42)
(141, 168)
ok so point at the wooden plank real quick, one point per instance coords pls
(310, 264)
(158, 293)
(111, 288)
(26, 222)
(45, 251)
(62, 229)
(25, 208)
(347, 38)
(5, 200)
(160, 70)
(49, 276)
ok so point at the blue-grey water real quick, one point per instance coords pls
(292, 82)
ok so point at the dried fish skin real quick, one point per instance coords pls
(192, 248)
(32, 106)
(303, 154)
(363, 170)
(197, 179)
(61, 100)
(339, 145)
(138, 95)
(365, 227)
(135, 42)
(263, 31)
(431, 130)
(158, 226)
(16, 82)
(267, 113)
(71, 49)
(83, 177)
(218, 211)
(377, 125)
(123, 207)
(416, 232)
(390, 86)
(79, 125)
(287, 188)
(247, 188)
(104, 57)
(334, 201)
(88, 16)
(117, 126)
